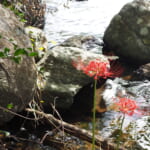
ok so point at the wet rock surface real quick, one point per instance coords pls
(89, 43)
(128, 32)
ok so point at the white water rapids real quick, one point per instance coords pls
(65, 18)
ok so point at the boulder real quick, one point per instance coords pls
(39, 41)
(62, 80)
(17, 81)
(128, 33)
(87, 42)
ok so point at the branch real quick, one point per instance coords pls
(78, 132)
(16, 114)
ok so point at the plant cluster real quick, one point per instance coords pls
(18, 52)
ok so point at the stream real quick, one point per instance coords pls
(66, 18)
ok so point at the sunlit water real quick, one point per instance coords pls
(67, 18)
(135, 90)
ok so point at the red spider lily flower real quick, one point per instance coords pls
(127, 106)
(98, 69)
(95, 68)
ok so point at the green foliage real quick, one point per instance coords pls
(16, 59)
(13, 8)
(18, 13)
(30, 49)
(2, 54)
(10, 106)
(5, 2)
(18, 52)
(33, 54)
(6, 50)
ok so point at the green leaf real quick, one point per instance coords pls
(33, 54)
(11, 40)
(15, 46)
(30, 32)
(2, 54)
(20, 51)
(12, 8)
(33, 40)
(10, 106)
(6, 50)
(5, 132)
(30, 49)
(23, 20)
(17, 59)
(41, 69)
(0, 36)
(20, 14)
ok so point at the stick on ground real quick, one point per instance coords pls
(76, 131)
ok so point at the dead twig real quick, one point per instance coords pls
(16, 114)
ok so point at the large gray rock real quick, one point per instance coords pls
(61, 80)
(87, 42)
(17, 81)
(128, 34)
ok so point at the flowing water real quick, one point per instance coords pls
(66, 18)
(139, 121)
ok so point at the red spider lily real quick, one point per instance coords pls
(127, 106)
(95, 68)
(98, 69)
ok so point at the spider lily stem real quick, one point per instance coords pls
(94, 116)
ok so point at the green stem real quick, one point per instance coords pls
(94, 117)
(120, 132)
